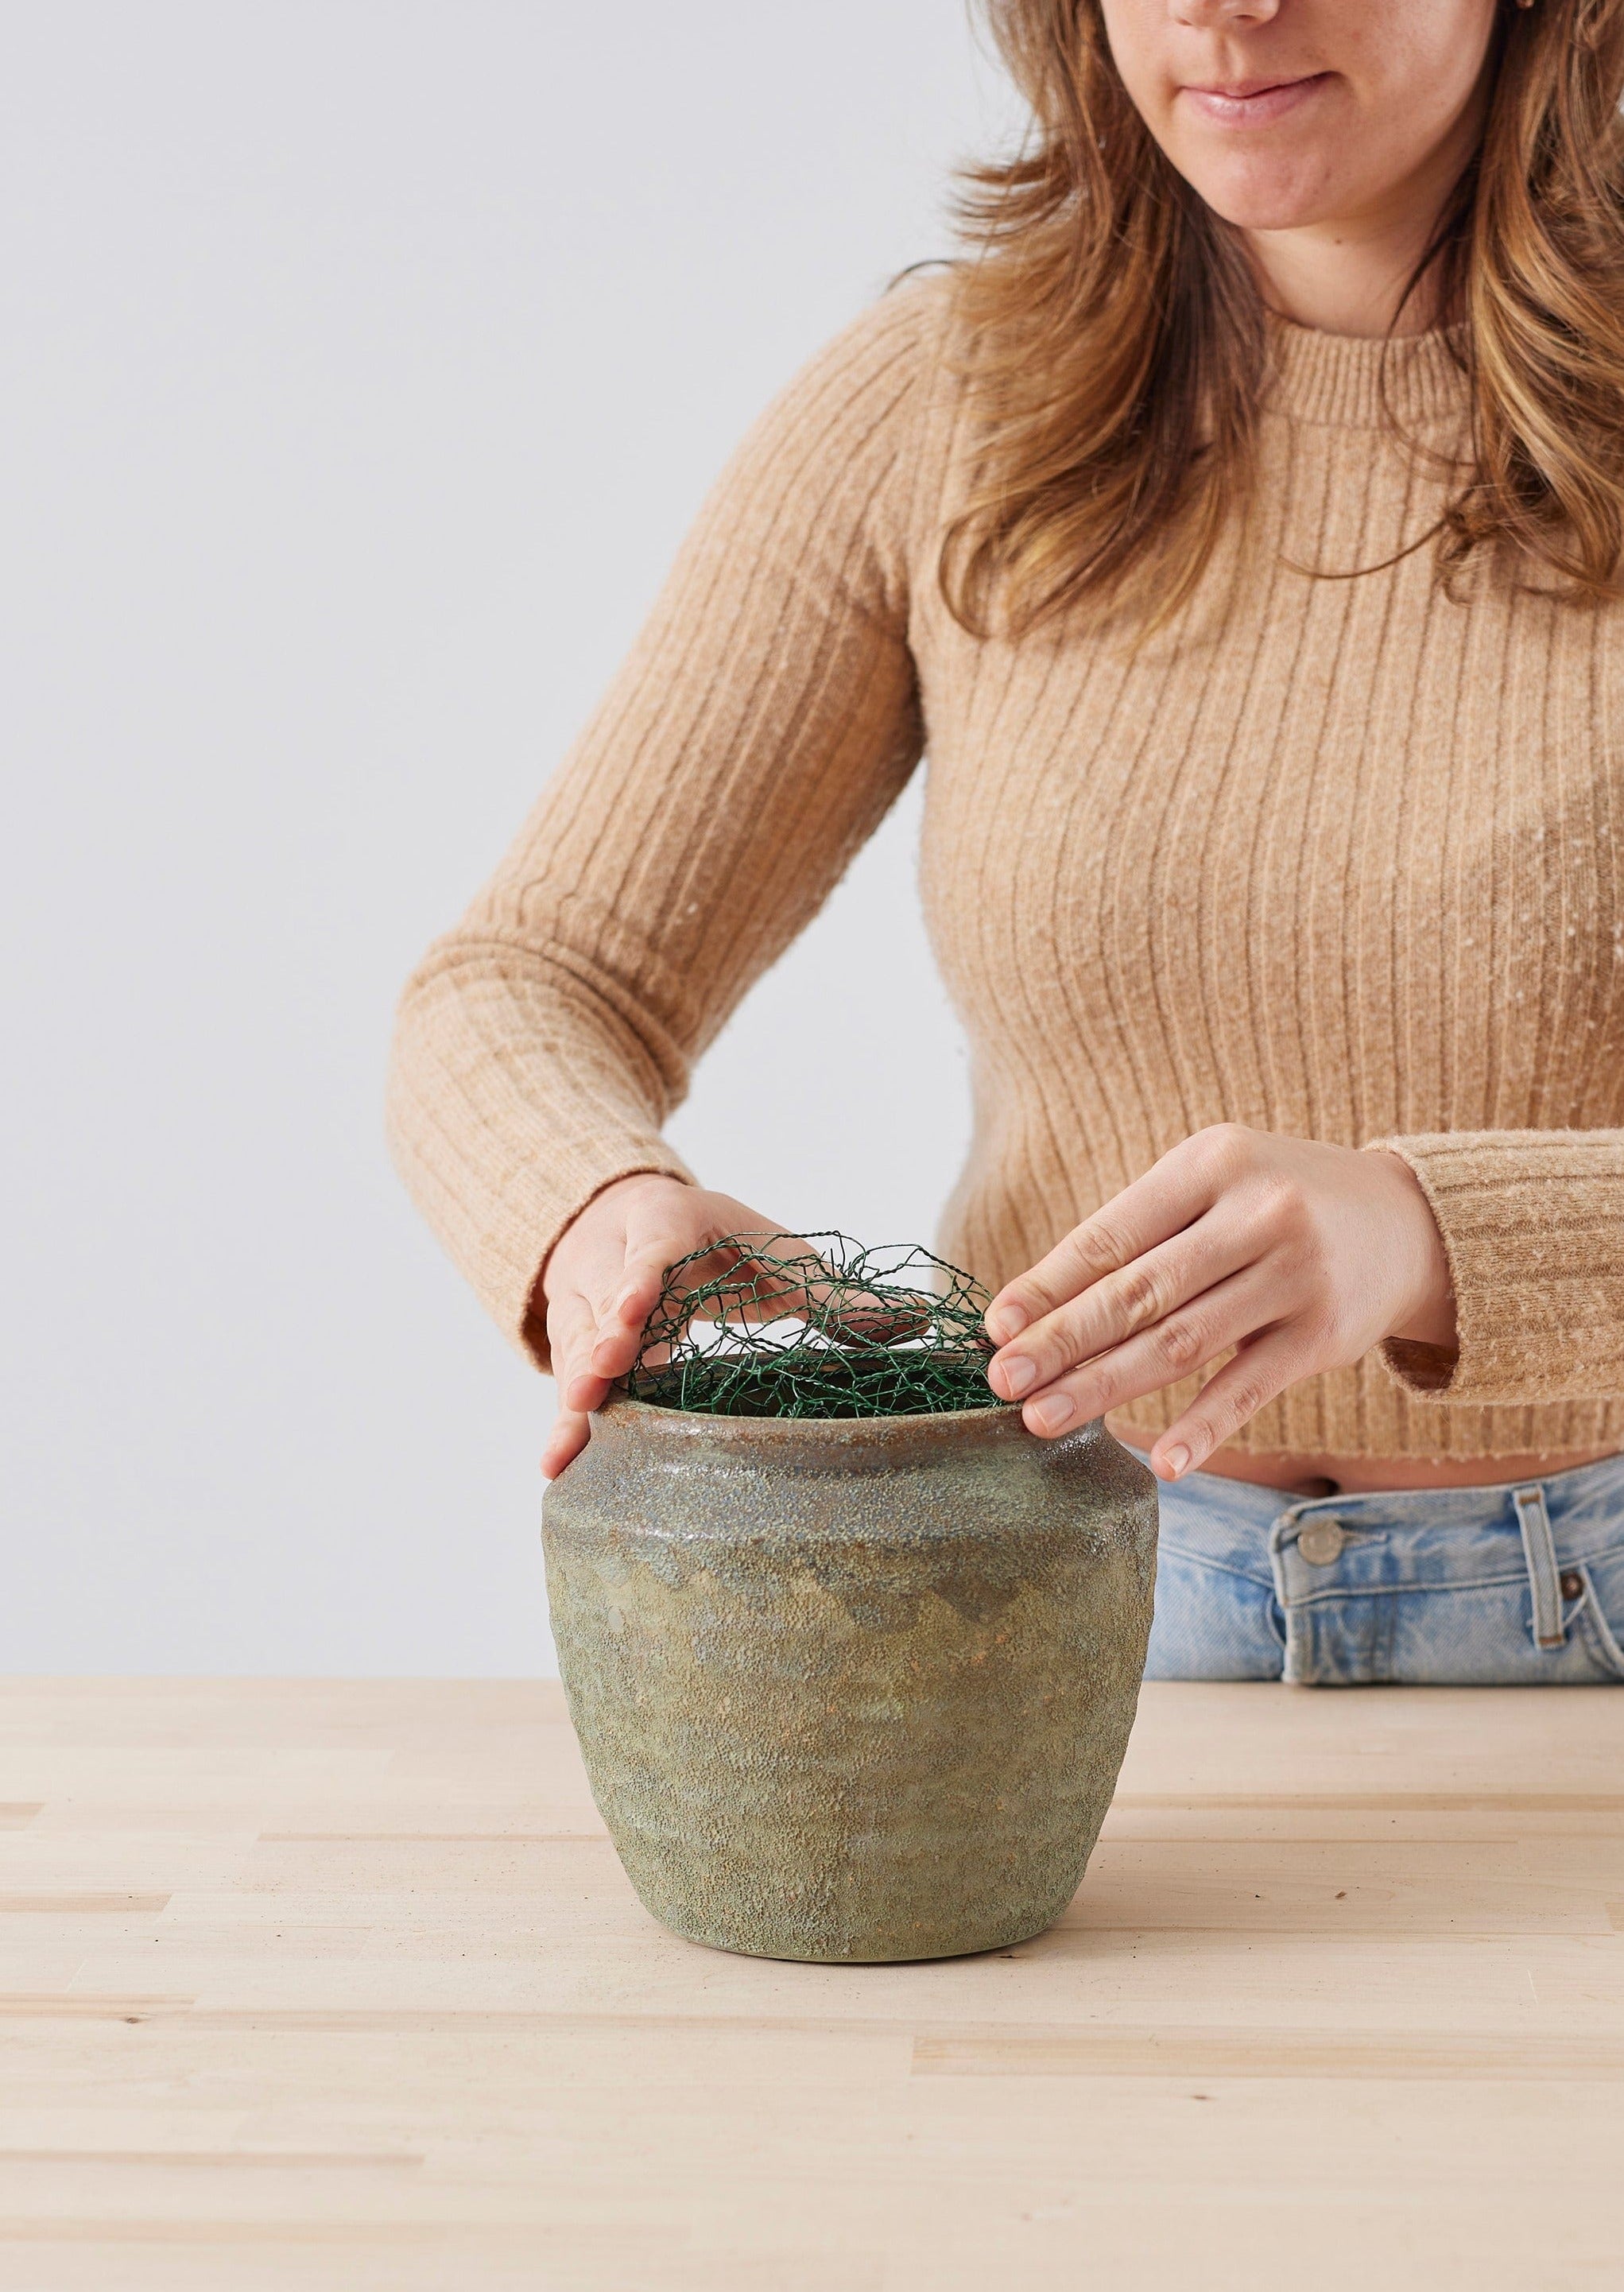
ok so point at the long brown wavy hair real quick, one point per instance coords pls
(1119, 339)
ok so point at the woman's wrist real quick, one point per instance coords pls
(1428, 1315)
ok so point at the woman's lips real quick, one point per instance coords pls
(1253, 103)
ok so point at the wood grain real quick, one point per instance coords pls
(339, 1985)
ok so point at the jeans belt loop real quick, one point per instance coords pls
(1540, 1551)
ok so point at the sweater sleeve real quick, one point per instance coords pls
(764, 722)
(1532, 1224)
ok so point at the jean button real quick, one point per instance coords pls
(1320, 1541)
(1572, 1584)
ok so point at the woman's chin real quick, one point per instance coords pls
(1257, 193)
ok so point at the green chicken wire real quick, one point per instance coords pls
(814, 1325)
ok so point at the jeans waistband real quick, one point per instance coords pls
(1413, 1536)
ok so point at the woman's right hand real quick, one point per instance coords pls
(604, 1278)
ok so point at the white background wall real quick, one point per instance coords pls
(363, 361)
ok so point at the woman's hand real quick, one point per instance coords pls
(1300, 1257)
(604, 1278)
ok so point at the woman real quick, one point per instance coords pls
(1241, 522)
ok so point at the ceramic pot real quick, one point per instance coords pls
(853, 1689)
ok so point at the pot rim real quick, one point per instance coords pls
(803, 1439)
(622, 1405)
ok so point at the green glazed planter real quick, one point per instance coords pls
(855, 1689)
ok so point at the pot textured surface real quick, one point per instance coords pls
(851, 1689)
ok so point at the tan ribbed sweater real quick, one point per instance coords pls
(1336, 859)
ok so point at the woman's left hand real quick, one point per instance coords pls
(1300, 1257)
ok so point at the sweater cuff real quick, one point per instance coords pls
(1532, 1223)
(501, 1233)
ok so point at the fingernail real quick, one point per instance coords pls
(1005, 1321)
(1049, 1414)
(1176, 1461)
(1019, 1375)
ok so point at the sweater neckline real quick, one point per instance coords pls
(1352, 382)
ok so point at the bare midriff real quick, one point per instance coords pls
(1329, 1476)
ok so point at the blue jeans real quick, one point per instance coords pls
(1517, 1585)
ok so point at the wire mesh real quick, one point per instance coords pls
(814, 1325)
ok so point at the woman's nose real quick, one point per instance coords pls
(1211, 14)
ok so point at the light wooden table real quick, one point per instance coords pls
(340, 1986)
